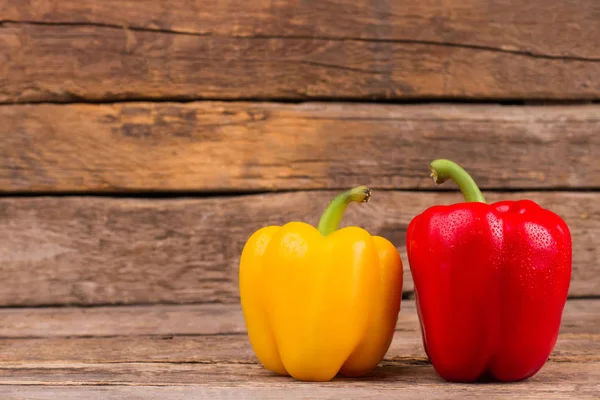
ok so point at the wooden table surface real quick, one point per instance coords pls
(143, 141)
(202, 351)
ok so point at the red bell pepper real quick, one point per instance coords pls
(491, 282)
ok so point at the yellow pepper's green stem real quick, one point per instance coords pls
(332, 216)
(442, 170)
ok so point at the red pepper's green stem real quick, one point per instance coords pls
(442, 170)
(332, 216)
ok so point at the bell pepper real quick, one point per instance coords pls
(320, 301)
(491, 282)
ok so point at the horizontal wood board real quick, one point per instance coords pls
(580, 316)
(48, 62)
(573, 379)
(87, 250)
(240, 146)
(552, 28)
(581, 388)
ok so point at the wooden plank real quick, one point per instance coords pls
(86, 250)
(553, 28)
(293, 392)
(65, 63)
(580, 317)
(402, 390)
(407, 345)
(158, 320)
(576, 379)
(213, 334)
(205, 146)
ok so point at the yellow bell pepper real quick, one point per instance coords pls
(320, 301)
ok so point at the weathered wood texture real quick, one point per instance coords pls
(553, 28)
(85, 250)
(575, 378)
(568, 389)
(212, 146)
(224, 349)
(65, 62)
(211, 333)
(92, 251)
(121, 49)
(581, 316)
(214, 360)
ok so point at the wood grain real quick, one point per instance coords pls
(138, 252)
(158, 320)
(552, 28)
(407, 345)
(66, 63)
(86, 250)
(223, 365)
(581, 316)
(579, 387)
(216, 146)
(212, 333)
(575, 379)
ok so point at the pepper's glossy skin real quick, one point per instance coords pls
(491, 283)
(315, 306)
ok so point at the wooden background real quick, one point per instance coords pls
(142, 142)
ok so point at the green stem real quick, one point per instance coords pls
(330, 220)
(442, 170)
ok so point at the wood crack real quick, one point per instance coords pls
(525, 53)
(338, 67)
